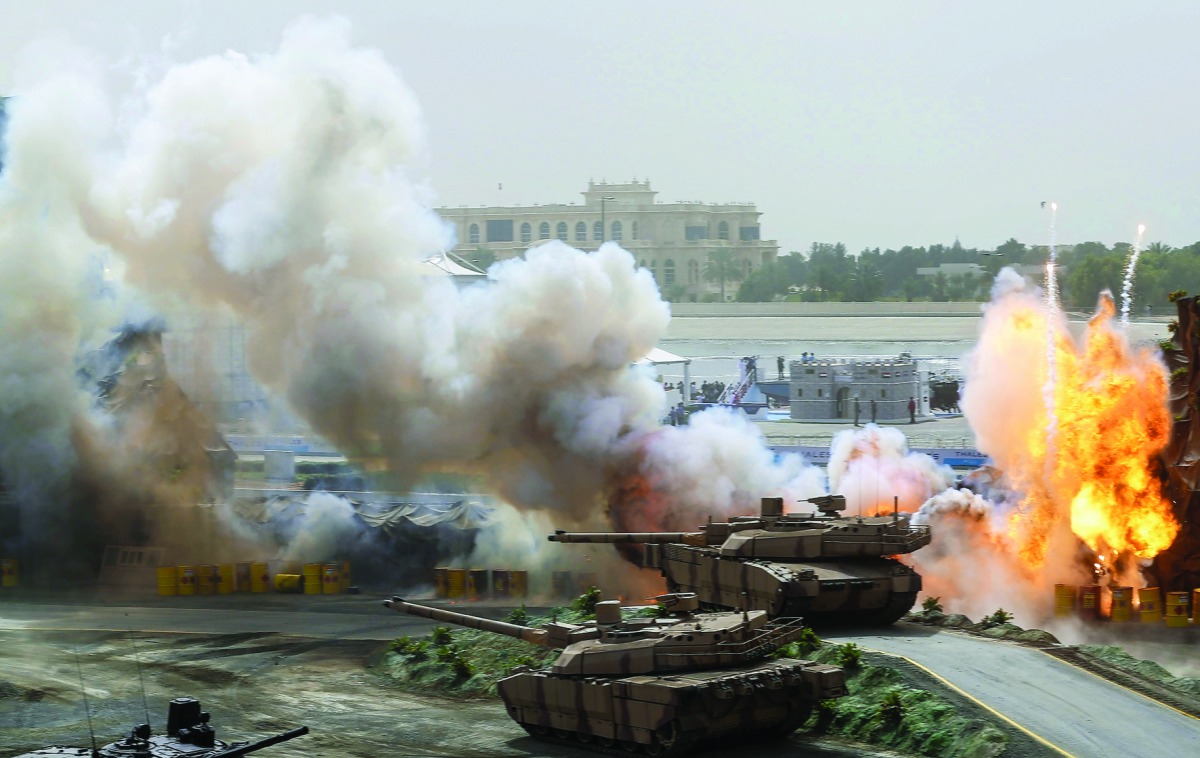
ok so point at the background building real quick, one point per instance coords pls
(673, 240)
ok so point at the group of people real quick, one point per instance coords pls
(677, 416)
(912, 410)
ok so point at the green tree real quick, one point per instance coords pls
(1158, 248)
(866, 280)
(764, 284)
(1088, 277)
(722, 266)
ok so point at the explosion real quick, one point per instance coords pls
(1079, 469)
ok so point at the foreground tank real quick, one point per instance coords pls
(188, 734)
(658, 686)
(826, 568)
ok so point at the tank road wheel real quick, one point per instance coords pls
(665, 741)
(605, 741)
(629, 746)
(585, 738)
(898, 604)
(536, 730)
(790, 723)
(562, 734)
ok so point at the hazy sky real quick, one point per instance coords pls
(872, 123)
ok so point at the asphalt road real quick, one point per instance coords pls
(1072, 710)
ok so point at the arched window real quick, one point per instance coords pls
(669, 271)
(526, 233)
(723, 230)
(693, 272)
(617, 231)
(473, 234)
(633, 230)
(654, 269)
(598, 231)
(580, 232)
(544, 231)
(561, 230)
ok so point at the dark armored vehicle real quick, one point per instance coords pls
(189, 735)
(658, 685)
(823, 567)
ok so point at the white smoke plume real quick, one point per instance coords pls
(873, 465)
(286, 187)
(970, 564)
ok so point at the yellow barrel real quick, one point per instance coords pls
(1064, 600)
(168, 581)
(206, 582)
(1177, 609)
(312, 579)
(1150, 600)
(586, 580)
(224, 578)
(8, 572)
(1122, 603)
(456, 583)
(560, 584)
(518, 583)
(501, 583)
(344, 576)
(477, 584)
(288, 582)
(332, 579)
(441, 581)
(187, 580)
(260, 577)
(241, 576)
(1089, 601)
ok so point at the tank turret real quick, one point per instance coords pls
(657, 685)
(188, 733)
(822, 566)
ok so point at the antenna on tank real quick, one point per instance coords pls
(141, 680)
(895, 509)
(87, 710)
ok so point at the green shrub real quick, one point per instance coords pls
(518, 616)
(849, 656)
(932, 605)
(891, 708)
(585, 604)
(1000, 616)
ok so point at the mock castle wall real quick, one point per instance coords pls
(824, 390)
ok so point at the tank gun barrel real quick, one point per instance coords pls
(697, 539)
(527, 633)
(263, 743)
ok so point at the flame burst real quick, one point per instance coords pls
(1109, 419)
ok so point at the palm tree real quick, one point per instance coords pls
(722, 266)
(1158, 247)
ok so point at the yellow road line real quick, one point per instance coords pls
(982, 704)
(1118, 684)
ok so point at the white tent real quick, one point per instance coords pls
(657, 356)
(462, 271)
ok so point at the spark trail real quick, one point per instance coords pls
(1130, 269)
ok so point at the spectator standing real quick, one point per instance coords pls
(872, 411)
(912, 411)
(857, 410)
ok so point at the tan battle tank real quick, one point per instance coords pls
(658, 685)
(823, 567)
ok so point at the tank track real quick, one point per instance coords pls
(680, 746)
